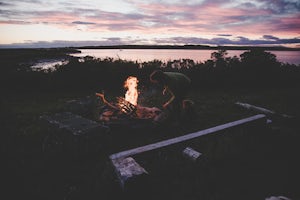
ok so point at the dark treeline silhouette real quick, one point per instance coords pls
(254, 68)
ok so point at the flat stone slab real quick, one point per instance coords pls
(73, 123)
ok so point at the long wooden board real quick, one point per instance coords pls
(262, 110)
(183, 138)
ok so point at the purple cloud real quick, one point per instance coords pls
(282, 7)
(84, 23)
(171, 41)
(224, 41)
(157, 19)
(224, 35)
(5, 4)
(270, 37)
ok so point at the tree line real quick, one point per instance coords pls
(254, 68)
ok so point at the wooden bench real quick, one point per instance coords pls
(120, 156)
(186, 137)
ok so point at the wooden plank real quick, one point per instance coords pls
(261, 110)
(72, 134)
(183, 138)
(73, 123)
(191, 154)
(127, 169)
(256, 108)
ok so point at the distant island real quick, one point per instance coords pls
(204, 47)
(74, 49)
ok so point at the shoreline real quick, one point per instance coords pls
(196, 47)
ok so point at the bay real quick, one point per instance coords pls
(146, 55)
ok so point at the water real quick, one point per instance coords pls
(146, 55)
(48, 64)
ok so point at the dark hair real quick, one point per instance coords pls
(157, 76)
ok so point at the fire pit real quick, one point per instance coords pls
(126, 111)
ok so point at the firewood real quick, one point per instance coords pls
(106, 102)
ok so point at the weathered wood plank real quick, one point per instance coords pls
(261, 110)
(126, 169)
(71, 133)
(73, 123)
(191, 154)
(256, 108)
(185, 137)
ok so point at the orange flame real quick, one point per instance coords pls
(131, 95)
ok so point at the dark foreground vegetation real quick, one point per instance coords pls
(254, 69)
(252, 164)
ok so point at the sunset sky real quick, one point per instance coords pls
(60, 23)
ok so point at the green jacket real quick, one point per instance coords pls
(178, 83)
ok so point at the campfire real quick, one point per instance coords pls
(127, 107)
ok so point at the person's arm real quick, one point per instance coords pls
(165, 90)
(171, 99)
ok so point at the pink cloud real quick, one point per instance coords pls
(209, 17)
(154, 19)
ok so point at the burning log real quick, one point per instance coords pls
(122, 105)
(128, 107)
(110, 113)
(125, 106)
(105, 101)
(128, 104)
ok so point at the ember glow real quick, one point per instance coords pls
(129, 106)
(131, 94)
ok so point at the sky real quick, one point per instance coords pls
(65, 23)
